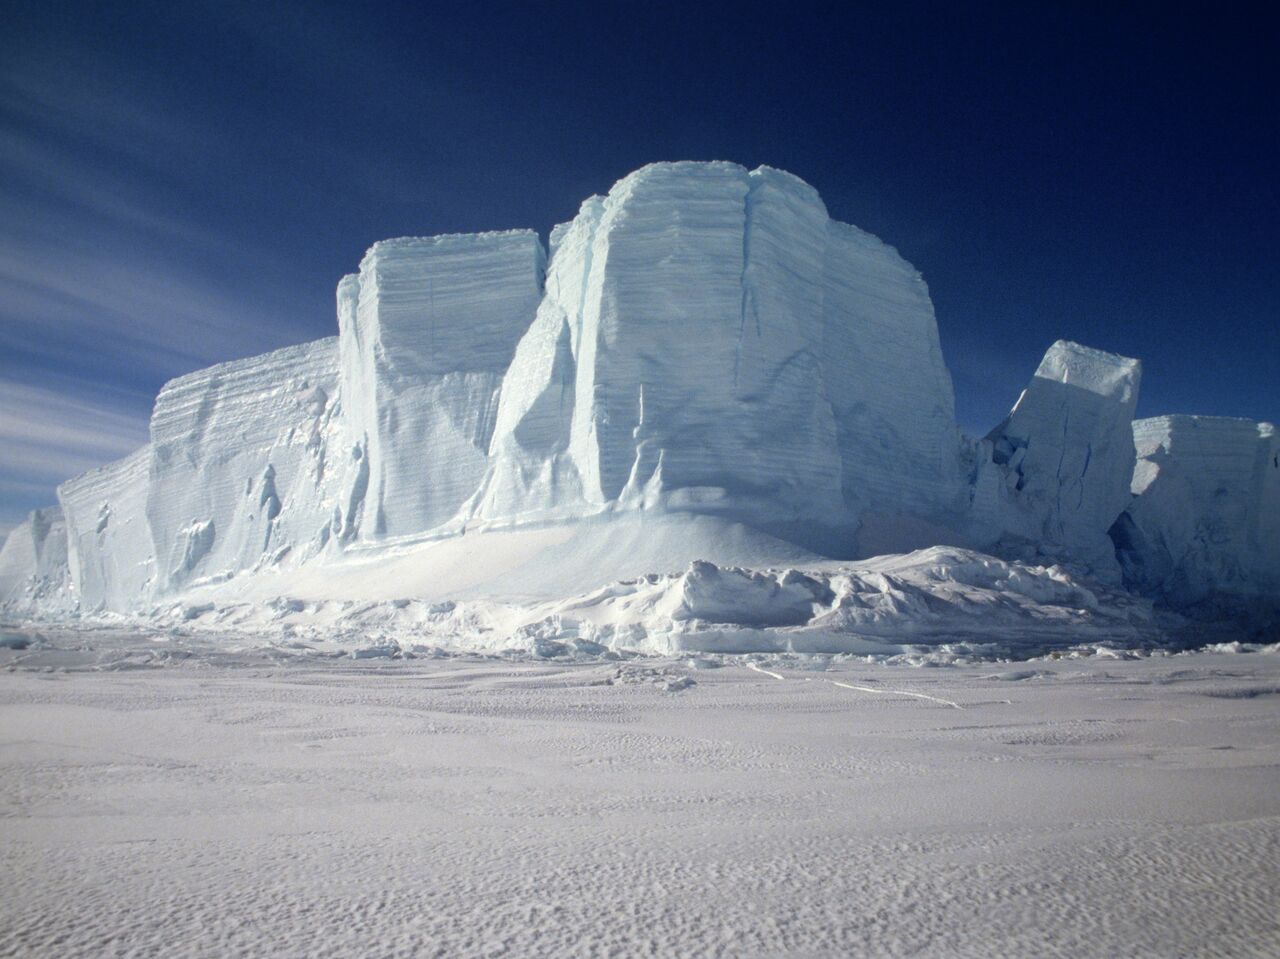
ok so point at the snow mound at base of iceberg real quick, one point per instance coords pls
(520, 565)
(938, 597)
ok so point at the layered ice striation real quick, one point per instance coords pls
(427, 330)
(1204, 522)
(240, 458)
(1055, 474)
(711, 340)
(110, 555)
(889, 387)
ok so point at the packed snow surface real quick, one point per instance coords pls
(933, 605)
(192, 796)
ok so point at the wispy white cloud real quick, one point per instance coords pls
(108, 273)
(129, 307)
(49, 172)
(70, 88)
(49, 435)
(103, 238)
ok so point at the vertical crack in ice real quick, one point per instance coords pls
(1062, 456)
(1088, 456)
(746, 290)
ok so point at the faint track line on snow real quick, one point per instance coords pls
(896, 692)
(760, 669)
(756, 667)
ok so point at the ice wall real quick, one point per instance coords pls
(427, 331)
(889, 386)
(1055, 474)
(1205, 517)
(534, 470)
(109, 549)
(710, 339)
(243, 458)
(33, 564)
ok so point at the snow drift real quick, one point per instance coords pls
(934, 605)
(704, 367)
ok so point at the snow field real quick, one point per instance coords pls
(233, 802)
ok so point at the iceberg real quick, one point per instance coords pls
(110, 556)
(239, 458)
(712, 341)
(701, 367)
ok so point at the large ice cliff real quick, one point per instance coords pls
(428, 328)
(109, 553)
(230, 446)
(711, 340)
(703, 364)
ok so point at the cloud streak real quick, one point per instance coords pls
(113, 277)
(50, 435)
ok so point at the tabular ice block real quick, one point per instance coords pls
(1056, 473)
(1205, 515)
(711, 340)
(33, 564)
(242, 464)
(109, 548)
(427, 331)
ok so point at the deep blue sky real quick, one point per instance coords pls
(182, 183)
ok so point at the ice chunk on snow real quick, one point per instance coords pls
(887, 606)
(1056, 473)
(1205, 517)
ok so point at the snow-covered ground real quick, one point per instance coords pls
(200, 795)
(509, 595)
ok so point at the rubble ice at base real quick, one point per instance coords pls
(707, 417)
